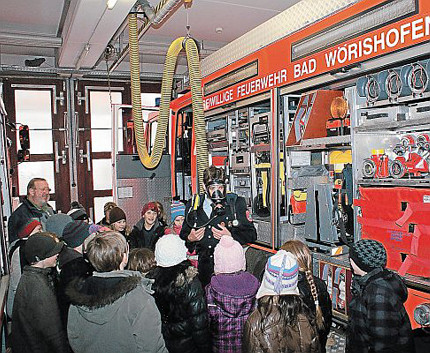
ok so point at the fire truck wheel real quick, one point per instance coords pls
(397, 169)
(369, 168)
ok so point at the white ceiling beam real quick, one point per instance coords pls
(89, 26)
(30, 40)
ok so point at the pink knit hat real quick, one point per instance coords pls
(229, 256)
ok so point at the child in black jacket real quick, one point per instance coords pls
(378, 321)
(36, 321)
(180, 298)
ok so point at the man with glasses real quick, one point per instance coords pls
(34, 206)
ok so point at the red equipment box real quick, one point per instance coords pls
(311, 116)
(399, 218)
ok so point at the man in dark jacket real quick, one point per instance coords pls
(35, 205)
(36, 323)
(378, 321)
(212, 215)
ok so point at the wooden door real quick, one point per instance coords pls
(94, 142)
(42, 106)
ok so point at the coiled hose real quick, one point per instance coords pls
(151, 161)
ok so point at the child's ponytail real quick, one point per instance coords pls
(318, 312)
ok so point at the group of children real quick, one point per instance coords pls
(152, 225)
(120, 290)
(147, 301)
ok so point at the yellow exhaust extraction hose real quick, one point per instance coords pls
(151, 161)
(197, 104)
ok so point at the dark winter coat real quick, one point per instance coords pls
(36, 322)
(299, 338)
(17, 264)
(72, 265)
(378, 321)
(324, 302)
(244, 232)
(181, 300)
(140, 237)
(113, 312)
(230, 298)
(22, 214)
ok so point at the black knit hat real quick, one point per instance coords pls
(77, 211)
(78, 214)
(116, 214)
(368, 254)
(75, 233)
(41, 246)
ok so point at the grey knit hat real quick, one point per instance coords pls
(56, 223)
(368, 254)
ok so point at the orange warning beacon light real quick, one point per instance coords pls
(339, 107)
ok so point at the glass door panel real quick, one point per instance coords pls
(102, 174)
(33, 108)
(101, 121)
(30, 170)
(95, 143)
(40, 105)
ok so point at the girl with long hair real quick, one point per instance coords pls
(312, 289)
(281, 322)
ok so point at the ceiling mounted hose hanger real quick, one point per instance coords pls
(151, 161)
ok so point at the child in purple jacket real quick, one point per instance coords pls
(230, 296)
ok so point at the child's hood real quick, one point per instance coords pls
(399, 287)
(234, 294)
(387, 282)
(104, 290)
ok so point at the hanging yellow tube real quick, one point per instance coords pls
(151, 161)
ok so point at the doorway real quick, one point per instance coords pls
(42, 108)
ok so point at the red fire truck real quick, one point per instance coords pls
(295, 115)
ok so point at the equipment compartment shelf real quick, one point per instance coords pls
(419, 283)
(417, 124)
(425, 182)
(387, 102)
(322, 142)
(262, 147)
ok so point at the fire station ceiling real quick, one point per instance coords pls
(72, 35)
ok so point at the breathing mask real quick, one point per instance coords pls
(216, 191)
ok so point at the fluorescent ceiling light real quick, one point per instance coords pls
(110, 4)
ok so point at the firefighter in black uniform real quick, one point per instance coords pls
(212, 215)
